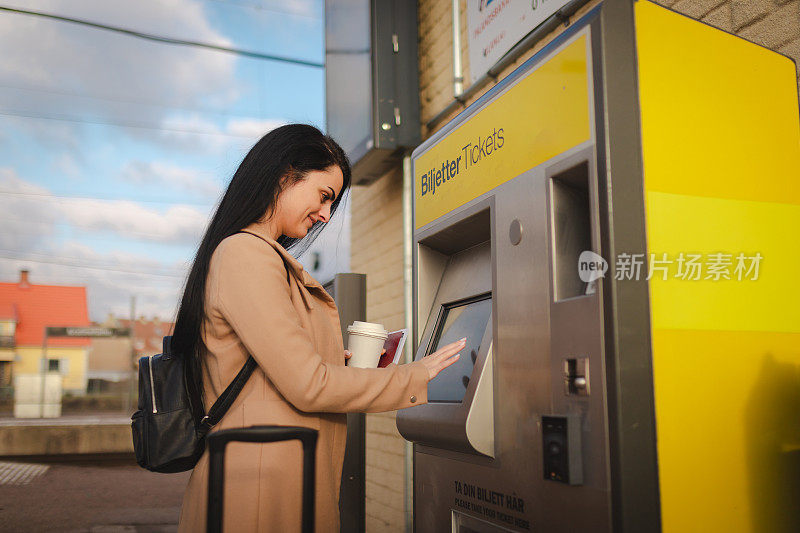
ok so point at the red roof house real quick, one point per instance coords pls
(37, 306)
(8, 311)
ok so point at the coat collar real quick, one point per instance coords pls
(294, 266)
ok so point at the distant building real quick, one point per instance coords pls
(148, 333)
(109, 358)
(110, 364)
(113, 361)
(25, 310)
(8, 325)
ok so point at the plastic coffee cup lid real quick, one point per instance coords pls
(367, 328)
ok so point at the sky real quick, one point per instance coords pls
(114, 149)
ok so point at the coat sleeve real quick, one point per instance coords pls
(253, 296)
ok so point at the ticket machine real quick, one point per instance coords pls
(600, 389)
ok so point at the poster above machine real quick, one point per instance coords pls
(495, 26)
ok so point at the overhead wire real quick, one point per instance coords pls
(117, 100)
(121, 124)
(167, 40)
(102, 199)
(151, 237)
(61, 262)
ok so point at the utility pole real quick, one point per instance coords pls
(44, 368)
(132, 381)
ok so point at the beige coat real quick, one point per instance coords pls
(292, 330)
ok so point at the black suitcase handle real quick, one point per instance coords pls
(218, 440)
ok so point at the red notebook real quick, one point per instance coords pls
(394, 348)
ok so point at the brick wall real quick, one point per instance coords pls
(377, 241)
(771, 23)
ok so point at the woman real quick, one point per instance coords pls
(246, 294)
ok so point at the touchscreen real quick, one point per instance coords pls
(465, 320)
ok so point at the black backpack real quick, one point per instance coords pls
(166, 437)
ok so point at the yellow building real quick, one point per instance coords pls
(25, 311)
(8, 323)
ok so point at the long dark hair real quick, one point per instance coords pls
(290, 152)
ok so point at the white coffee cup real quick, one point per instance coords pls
(365, 341)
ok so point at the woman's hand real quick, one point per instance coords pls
(442, 358)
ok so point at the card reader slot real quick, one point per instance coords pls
(571, 229)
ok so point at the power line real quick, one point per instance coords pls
(109, 264)
(121, 124)
(100, 198)
(108, 236)
(142, 235)
(89, 267)
(105, 98)
(167, 40)
(183, 216)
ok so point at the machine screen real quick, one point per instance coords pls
(466, 319)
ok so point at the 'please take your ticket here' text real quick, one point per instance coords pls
(471, 154)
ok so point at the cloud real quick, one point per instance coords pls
(170, 176)
(116, 66)
(30, 218)
(111, 281)
(195, 133)
(64, 69)
(253, 128)
(172, 96)
(178, 224)
(84, 75)
(48, 134)
(10, 181)
(26, 222)
(66, 165)
(125, 261)
(32, 213)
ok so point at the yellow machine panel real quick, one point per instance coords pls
(509, 136)
(721, 156)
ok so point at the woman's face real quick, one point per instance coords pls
(307, 201)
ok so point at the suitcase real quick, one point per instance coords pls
(218, 440)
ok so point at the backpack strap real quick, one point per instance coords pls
(227, 397)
